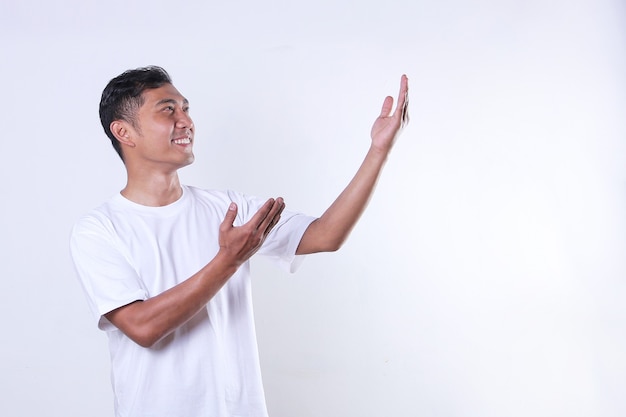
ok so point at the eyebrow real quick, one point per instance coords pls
(170, 101)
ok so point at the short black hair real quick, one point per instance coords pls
(123, 96)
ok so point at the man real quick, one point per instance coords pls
(165, 266)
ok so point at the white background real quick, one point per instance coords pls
(487, 277)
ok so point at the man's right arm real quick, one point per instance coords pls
(146, 322)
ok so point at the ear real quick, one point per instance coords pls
(122, 130)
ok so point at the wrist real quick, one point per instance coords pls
(379, 153)
(225, 262)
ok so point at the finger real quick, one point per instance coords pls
(273, 216)
(276, 216)
(387, 106)
(259, 217)
(405, 110)
(403, 96)
(405, 113)
(230, 216)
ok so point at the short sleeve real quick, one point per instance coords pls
(106, 275)
(281, 244)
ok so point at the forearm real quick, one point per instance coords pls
(329, 232)
(147, 322)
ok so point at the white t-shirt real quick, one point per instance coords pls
(209, 367)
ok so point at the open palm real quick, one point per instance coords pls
(388, 125)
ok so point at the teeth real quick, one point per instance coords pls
(183, 141)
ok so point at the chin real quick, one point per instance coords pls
(189, 160)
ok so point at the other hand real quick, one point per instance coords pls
(388, 126)
(239, 243)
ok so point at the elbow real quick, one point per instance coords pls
(139, 331)
(145, 339)
(322, 237)
(147, 344)
(333, 239)
(322, 247)
(332, 245)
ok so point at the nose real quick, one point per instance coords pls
(184, 120)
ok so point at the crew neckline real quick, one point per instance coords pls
(161, 210)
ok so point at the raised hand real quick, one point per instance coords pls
(239, 243)
(388, 126)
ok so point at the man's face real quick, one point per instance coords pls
(165, 132)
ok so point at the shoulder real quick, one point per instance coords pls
(219, 197)
(89, 229)
(99, 220)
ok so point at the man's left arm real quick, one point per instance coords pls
(328, 233)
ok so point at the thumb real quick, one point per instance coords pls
(387, 106)
(230, 216)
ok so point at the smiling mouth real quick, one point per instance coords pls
(182, 141)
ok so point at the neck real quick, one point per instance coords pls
(153, 191)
